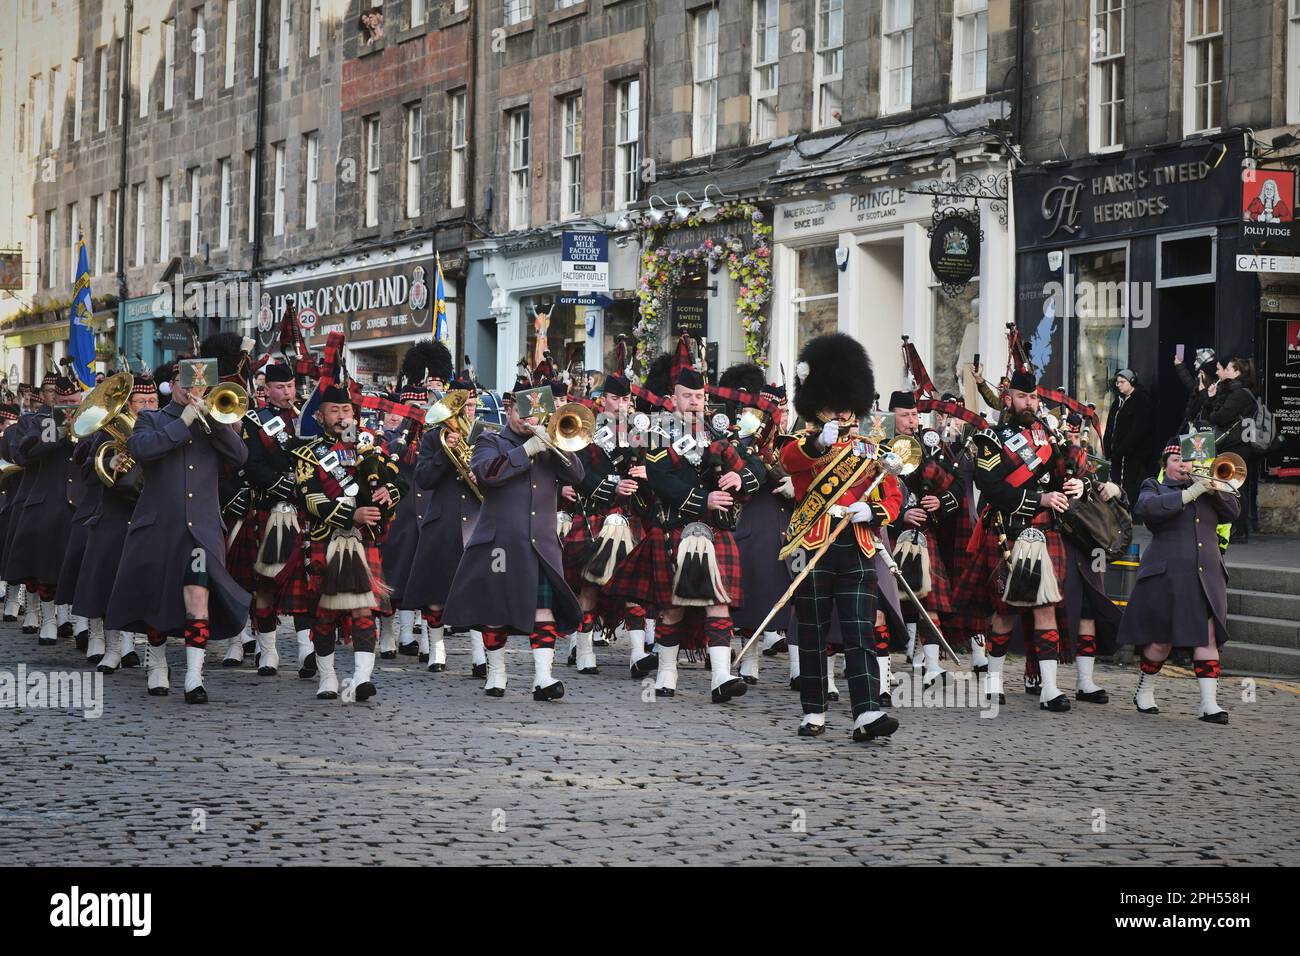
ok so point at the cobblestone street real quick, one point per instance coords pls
(432, 771)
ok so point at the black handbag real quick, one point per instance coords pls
(1092, 523)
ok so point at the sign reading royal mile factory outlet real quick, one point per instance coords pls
(1150, 191)
(392, 299)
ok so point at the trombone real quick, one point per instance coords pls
(225, 404)
(1226, 473)
(571, 427)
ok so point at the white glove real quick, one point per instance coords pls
(830, 433)
(785, 487)
(1109, 490)
(190, 414)
(860, 512)
(1197, 488)
(535, 446)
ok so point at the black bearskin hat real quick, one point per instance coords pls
(833, 372)
(227, 348)
(423, 361)
(658, 379)
(745, 377)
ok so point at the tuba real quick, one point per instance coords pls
(106, 408)
(450, 411)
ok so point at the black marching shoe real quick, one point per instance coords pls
(665, 692)
(479, 671)
(811, 730)
(833, 695)
(424, 658)
(158, 691)
(47, 641)
(1220, 718)
(553, 692)
(778, 648)
(589, 670)
(410, 650)
(250, 649)
(308, 668)
(65, 630)
(644, 667)
(600, 641)
(196, 696)
(82, 640)
(364, 691)
(881, 727)
(327, 695)
(1057, 705)
(751, 681)
(886, 699)
(10, 618)
(1002, 699)
(495, 691)
(732, 688)
(387, 655)
(1092, 696)
(436, 668)
(30, 630)
(131, 659)
(573, 657)
(1145, 710)
(794, 683)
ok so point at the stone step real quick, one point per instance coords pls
(1266, 631)
(1262, 577)
(1285, 607)
(1260, 660)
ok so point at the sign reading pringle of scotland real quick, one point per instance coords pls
(584, 262)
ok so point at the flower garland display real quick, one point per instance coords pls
(662, 271)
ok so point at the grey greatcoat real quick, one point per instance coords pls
(106, 530)
(83, 491)
(1182, 581)
(177, 516)
(44, 521)
(9, 487)
(398, 551)
(450, 514)
(766, 577)
(514, 541)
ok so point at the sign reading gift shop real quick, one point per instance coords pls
(584, 262)
(368, 303)
(1151, 191)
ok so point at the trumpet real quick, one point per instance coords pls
(1227, 472)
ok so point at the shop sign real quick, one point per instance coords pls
(955, 250)
(584, 262)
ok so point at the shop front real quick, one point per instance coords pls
(35, 344)
(139, 330)
(859, 261)
(383, 302)
(1124, 261)
(529, 310)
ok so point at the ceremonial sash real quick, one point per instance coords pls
(832, 481)
(1014, 449)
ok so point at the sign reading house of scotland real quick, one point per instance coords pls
(362, 304)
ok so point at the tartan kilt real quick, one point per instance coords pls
(979, 591)
(242, 552)
(290, 589)
(577, 546)
(374, 558)
(646, 576)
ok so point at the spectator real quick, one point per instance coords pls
(1229, 405)
(1197, 385)
(1127, 441)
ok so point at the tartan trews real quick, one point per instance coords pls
(843, 582)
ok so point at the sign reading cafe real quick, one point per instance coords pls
(362, 304)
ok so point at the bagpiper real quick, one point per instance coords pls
(279, 576)
(172, 578)
(688, 566)
(511, 576)
(834, 387)
(349, 487)
(1180, 598)
(610, 502)
(1019, 557)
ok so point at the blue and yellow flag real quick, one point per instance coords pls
(81, 335)
(441, 330)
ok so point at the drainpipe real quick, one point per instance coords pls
(122, 177)
(259, 145)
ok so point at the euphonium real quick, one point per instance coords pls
(106, 408)
(449, 411)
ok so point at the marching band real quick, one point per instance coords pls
(670, 512)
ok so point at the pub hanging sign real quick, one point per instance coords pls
(955, 249)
